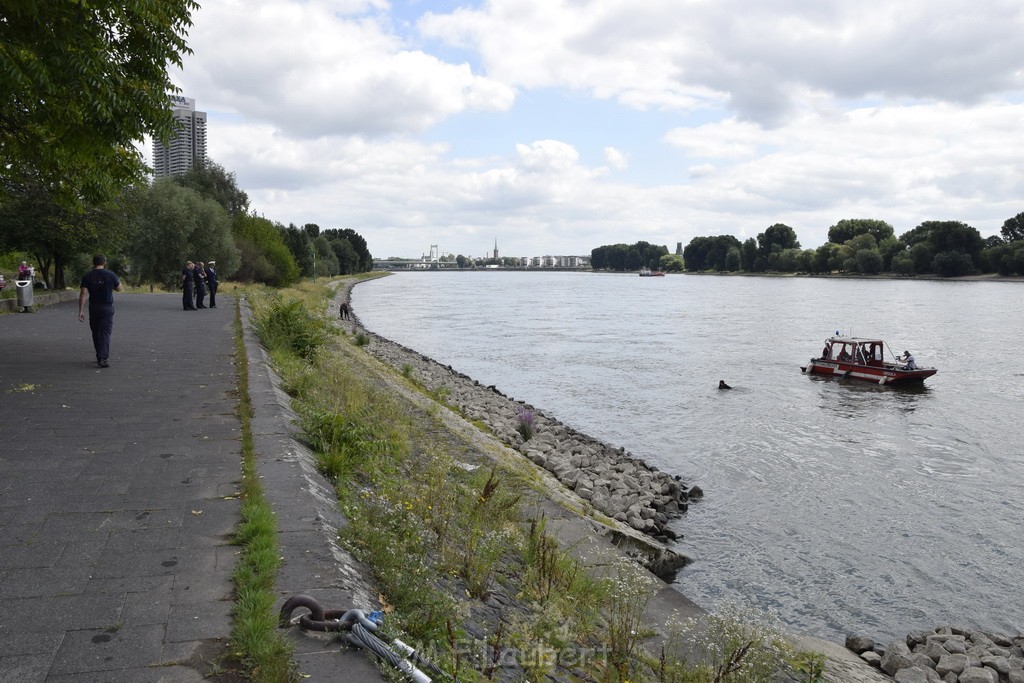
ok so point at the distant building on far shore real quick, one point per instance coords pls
(679, 248)
(188, 146)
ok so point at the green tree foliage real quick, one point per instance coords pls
(709, 253)
(869, 261)
(351, 250)
(903, 263)
(173, 224)
(82, 82)
(1005, 258)
(776, 238)
(1013, 228)
(326, 259)
(609, 257)
(212, 180)
(931, 238)
(848, 228)
(264, 256)
(38, 222)
(952, 263)
(748, 254)
(462, 261)
(622, 257)
(671, 263)
(300, 244)
(733, 259)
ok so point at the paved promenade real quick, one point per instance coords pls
(117, 493)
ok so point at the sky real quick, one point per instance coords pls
(556, 126)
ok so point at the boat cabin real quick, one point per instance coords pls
(854, 350)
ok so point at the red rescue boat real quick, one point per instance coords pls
(864, 359)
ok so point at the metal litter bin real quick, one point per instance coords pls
(26, 297)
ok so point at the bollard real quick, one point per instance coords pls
(26, 297)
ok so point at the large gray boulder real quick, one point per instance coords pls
(897, 656)
(976, 674)
(951, 663)
(916, 674)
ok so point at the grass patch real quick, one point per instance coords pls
(263, 654)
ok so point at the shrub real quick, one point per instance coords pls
(290, 326)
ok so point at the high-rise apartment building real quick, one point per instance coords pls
(188, 146)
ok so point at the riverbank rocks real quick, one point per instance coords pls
(612, 480)
(946, 655)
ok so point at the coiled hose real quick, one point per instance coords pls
(361, 630)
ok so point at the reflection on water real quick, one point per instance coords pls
(847, 506)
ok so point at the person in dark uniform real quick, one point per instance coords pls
(199, 275)
(211, 282)
(344, 312)
(187, 297)
(99, 284)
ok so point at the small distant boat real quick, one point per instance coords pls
(864, 359)
(647, 272)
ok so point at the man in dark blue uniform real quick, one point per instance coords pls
(199, 276)
(211, 282)
(99, 284)
(188, 300)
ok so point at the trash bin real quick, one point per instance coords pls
(26, 297)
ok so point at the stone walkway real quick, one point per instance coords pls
(117, 493)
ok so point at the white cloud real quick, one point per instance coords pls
(693, 118)
(760, 57)
(616, 159)
(312, 69)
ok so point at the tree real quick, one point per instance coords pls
(348, 259)
(173, 224)
(848, 228)
(705, 253)
(952, 264)
(327, 262)
(37, 221)
(461, 261)
(362, 261)
(748, 254)
(1013, 228)
(869, 261)
(778, 235)
(733, 259)
(82, 82)
(264, 256)
(212, 180)
(300, 244)
(941, 236)
(671, 263)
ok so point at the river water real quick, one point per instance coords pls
(843, 507)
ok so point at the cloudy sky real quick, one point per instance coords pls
(555, 126)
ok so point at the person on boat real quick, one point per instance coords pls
(844, 354)
(825, 352)
(908, 358)
(862, 355)
(723, 385)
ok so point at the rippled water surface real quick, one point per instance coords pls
(845, 507)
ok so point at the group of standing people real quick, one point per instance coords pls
(196, 279)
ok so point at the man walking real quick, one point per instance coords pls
(99, 284)
(188, 301)
(211, 282)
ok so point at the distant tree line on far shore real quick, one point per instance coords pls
(855, 245)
